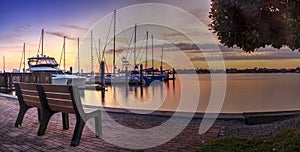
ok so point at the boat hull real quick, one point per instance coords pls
(63, 79)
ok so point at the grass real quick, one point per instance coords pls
(286, 141)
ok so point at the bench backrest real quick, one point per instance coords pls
(59, 98)
(28, 94)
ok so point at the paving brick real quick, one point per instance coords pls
(56, 139)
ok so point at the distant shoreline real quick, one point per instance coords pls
(234, 70)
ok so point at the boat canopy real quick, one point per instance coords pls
(42, 61)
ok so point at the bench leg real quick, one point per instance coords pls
(21, 114)
(39, 115)
(46, 115)
(65, 120)
(98, 127)
(78, 131)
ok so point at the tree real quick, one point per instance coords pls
(252, 24)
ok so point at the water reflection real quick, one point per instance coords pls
(153, 97)
(245, 92)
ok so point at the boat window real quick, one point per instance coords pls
(52, 61)
(41, 61)
(32, 62)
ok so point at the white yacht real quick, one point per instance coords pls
(49, 64)
(43, 63)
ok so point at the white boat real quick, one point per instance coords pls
(49, 64)
(109, 79)
(68, 79)
(43, 63)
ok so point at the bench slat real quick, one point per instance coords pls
(56, 88)
(62, 108)
(59, 102)
(31, 98)
(30, 92)
(53, 95)
(33, 103)
(30, 95)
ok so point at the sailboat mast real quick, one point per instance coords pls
(78, 56)
(92, 58)
(134, 50)
(64, 49)
(99, 57)
(114, 55)
(42, 42)
(162, 55)
(147, 37)
(152, 53)
(24, 58)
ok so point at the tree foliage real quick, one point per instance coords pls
(252, 24)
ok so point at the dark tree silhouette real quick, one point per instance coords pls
(252, 24)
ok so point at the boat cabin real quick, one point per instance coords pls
(43, 64)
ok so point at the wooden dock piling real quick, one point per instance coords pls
(102, 66)
(141, 74)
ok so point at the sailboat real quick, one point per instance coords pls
(153, 74)
(43, 63)
(119, 79)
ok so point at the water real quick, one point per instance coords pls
(244, 93)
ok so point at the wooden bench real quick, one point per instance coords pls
(28, 97)
(66, 99)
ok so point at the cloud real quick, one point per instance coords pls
(259, 55)
(60, 34)
(195, 48)
(213, 52)
(186, 46)
(74, 27)
(10, 39)
(16, 36)
(120, 50)
(22, 28)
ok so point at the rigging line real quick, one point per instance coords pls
(129, 45)
(122, 27)
(38, 51)
(60, 57)
(130, 48)
(140, 48)
(61, 54)
(105, 64)
(98, 55)
(98, 52)
(21, 60)
(106, 41)
(127, 49)
(95, 48)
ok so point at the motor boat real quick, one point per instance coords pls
(42, 63)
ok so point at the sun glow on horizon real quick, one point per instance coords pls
(15, 31)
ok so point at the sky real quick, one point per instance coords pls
(21, 22)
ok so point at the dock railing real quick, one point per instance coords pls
(7, 80)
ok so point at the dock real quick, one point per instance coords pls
(7, 79)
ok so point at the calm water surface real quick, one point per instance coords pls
(244, 93)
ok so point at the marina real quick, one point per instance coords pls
(150, 76)
(239, 99)
(282, 94)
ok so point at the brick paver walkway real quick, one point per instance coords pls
(56, 139)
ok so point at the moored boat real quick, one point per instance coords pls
(43, 63)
